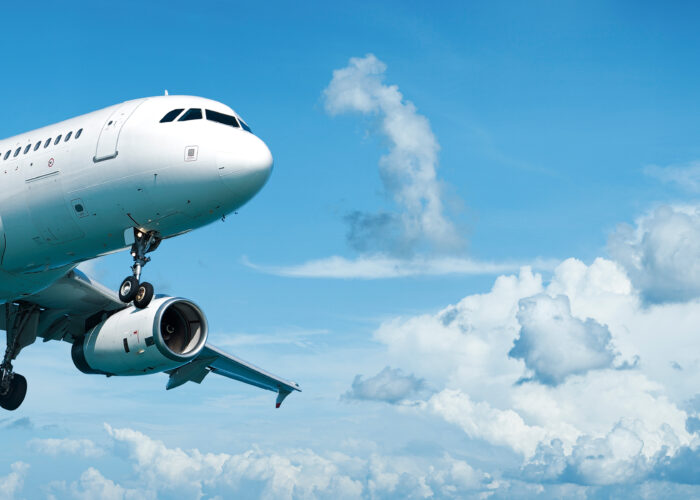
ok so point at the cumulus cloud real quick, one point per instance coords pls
(554, 344)
(480, 420)
(11, 485)
(408, 171)
(389, 385)
(296, 473)
(465, 345)
(580, 419)
(614, 458)
(661, 253)
(55, 447)
(92, 485)
(381, 266)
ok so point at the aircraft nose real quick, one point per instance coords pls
(247, 166)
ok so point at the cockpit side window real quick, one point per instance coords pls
(245, 126)
(191, 114)
(222, 118)
(171, 115)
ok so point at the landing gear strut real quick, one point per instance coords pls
(21, 320)
(131, 289)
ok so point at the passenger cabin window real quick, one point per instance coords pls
(217, 117)
(68, 136)
(36, 146)
(170, 116)
(17, 152)
(46, 144)
(77, 134)
(26, 150)
(191, 114)
(58, 139)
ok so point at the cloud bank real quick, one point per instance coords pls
(577, 418)
(164, 472)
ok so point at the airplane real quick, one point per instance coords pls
(124, 177)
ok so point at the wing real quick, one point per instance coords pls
(75, 303)
(217, 361)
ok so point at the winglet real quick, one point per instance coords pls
(283, 393)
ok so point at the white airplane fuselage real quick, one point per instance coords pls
(65, 202)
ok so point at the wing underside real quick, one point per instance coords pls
(76, 303)
(217, 361)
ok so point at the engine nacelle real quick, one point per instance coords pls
(167, 334)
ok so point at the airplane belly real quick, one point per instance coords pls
(3, 242)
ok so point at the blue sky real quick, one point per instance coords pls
(515, 313)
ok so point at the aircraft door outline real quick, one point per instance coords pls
(109, 136)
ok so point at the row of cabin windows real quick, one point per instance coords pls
(46, 144)
(196, 114)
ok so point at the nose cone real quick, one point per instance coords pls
(246, 166)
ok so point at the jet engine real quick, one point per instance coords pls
(168, 333)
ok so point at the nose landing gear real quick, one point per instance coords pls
(131, 289)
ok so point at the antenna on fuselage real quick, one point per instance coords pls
(166, 91)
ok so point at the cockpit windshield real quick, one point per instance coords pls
(217, 117)
(171, 115)
(196, 114)
(191, 114)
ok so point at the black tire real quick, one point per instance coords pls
(128, 289)
(18, 389)
(144, 295)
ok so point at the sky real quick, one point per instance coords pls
(477, 253)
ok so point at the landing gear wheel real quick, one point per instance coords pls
(128, 289)
(15, 395)
(144, 294)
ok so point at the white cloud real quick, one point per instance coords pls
(92, 485)
(686, 176)
(662, 253)
(408, 171)
(389, 385)
(55, 446)
(12, 484)
(296, 473)
(465, 345)
(382, 266)
(554, 344)
(168, 469)
(481, 421)
(598, 424)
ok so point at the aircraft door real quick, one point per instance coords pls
(109, 136)
(48, 210)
